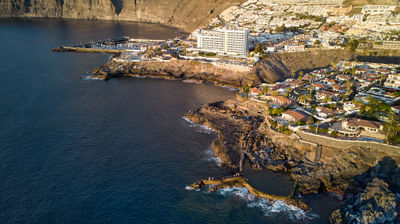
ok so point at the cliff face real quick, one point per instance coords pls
(180, 70)
(275, 66)
(184, 14)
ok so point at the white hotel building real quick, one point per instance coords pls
(224, 41)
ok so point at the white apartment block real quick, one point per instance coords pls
(378, 9)
(393, 45)
(224, 41)
(393, 81)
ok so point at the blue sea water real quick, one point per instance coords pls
(86, 151)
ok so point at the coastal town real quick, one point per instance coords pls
(350, 100)
(347, 100)
(243, 34)
(224, 111)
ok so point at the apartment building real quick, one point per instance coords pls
(224, 41)
(378, 9)
(393, 81)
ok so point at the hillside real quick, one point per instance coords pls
(370, 2)
(186, 15)
(276, 66)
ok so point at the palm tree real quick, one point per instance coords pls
(246, 90)
(302, 98)
(381, 79)
(349, 87)
(293, 73)
(392, 128)
(301, 73)
(311, 89)
(264, 90)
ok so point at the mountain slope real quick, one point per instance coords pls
(184, 14)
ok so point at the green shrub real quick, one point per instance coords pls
(209, 54)
(323, 130)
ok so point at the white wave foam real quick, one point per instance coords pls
(189, 121)
(199, 128)
(188, 188)
(230, 88)
(272, 208)
(191, 82)
(211, 156)
(88, 77)
(237, 191)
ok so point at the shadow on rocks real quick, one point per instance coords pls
(372, 196)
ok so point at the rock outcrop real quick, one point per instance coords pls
(180, 70)
(375, 204)
(243, 128)
(241, 182)
(273, 68)
(186, 15)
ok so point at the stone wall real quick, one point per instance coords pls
(339, 143)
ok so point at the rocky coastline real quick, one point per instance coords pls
(215, 185)
(192, 71)
(272, 68)
(244, 133)
(243, 128)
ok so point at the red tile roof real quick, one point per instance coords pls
(297, 115)
(355, 122)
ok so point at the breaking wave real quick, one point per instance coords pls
(269, 208)
(191, 82)
(89, 77)
(188, 188)
(230, 88)
(199, 128)
(211, 156)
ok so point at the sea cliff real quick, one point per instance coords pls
(179, 70)
(272, 68)
(186, 15)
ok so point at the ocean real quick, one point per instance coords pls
(88, 151)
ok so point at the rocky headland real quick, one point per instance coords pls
(272, 68)
(178, 70)
(244, 133)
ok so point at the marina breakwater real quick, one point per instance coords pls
(231, 182)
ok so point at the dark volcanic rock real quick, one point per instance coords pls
(376, 204)
(242, 126)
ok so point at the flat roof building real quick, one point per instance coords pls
(224, 41)
(393, 81)
(378, 9)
